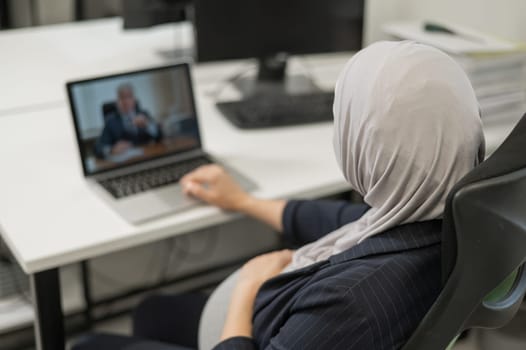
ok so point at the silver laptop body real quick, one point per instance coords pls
(105, 110)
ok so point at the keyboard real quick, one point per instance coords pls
(279, 110)
(129, 184)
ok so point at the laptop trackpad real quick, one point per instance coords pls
(154, 203)
(173, 195)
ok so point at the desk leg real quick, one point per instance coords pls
(49, 320)
(86, 290)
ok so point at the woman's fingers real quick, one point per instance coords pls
(194, 182)
(212, 184)
(286, 256)
(197, 190)
(203, 174)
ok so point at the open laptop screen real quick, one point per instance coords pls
(133, 117)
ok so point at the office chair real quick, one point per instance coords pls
(483, 249)
(108, 109)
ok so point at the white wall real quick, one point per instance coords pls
(58, 11)
(379, 12)
(505, 18)
(55, 11)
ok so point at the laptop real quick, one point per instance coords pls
(138, 134)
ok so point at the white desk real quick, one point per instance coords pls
(36, 62)
(42, 180)
(48, 215)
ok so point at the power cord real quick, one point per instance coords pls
(177, 249)
(14, 305)
(223, 83)
(250, 66)
(210, 245)
(15, 273)
(307, 68)
(5, 256)
(180, 251)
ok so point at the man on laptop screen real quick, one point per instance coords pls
(125, 125)
(132, 118)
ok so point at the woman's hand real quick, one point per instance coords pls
(212, 184)
(262, 268)
(253, 274)
(140, 121)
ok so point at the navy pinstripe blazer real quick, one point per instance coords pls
(370, 297)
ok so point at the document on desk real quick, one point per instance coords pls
(468, 41)
(126, 155)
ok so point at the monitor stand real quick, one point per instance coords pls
(276, 99)
(175, 54)
(272, 80)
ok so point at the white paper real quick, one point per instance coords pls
(469, 42)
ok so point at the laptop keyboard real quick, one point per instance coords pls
(129, 184)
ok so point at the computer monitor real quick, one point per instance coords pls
(138, 14)
(270, 30)
(147, 13)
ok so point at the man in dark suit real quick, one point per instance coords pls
(127, 126)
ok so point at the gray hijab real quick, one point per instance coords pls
(406, 129)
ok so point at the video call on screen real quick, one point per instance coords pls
(135, 117)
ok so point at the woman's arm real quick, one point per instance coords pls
(253, 274)
(306, 221)
(268, 211)
(301, 221)
(238, 322)
(213, 185)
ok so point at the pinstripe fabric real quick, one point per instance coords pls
(370, 297)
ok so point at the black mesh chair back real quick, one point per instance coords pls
(483, 249)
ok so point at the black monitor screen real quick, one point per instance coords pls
(128, 118)
(229, 29)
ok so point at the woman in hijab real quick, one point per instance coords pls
(406, 130)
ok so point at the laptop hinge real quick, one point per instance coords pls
(151, 164)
